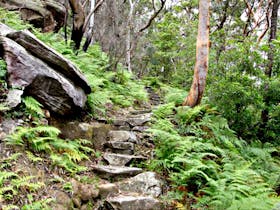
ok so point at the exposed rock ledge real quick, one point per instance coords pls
(42, 72)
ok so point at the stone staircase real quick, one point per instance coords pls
(130, 188)
(123, 142)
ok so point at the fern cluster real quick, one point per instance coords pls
(12, 184)
(206, 162)
(118, 88)
(33, 107)
(45, 139)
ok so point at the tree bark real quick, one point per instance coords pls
(202, 51)
(272, 36)
(128, 36)
(91, 24)
(78, 22)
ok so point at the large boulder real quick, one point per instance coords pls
(4, 29)
(48, 15)
(39, 80)
(50, 57)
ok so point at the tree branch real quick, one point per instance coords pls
(91, 13)
(153, 16)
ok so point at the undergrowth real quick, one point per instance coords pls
(44, 139)
(109, 88)
(40, 145)
(208, 166)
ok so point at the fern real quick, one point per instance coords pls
(33, 107)
(164, 111)
(45, 139)
(26, 183)
(199, 151)
(5, 175)
(7, 162)
(41, 204)
(32, 157)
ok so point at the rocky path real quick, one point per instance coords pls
(124, 144)
(131, 187)
(122, 184)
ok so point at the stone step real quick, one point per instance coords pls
(122, 135)
(132, 202)
(120, 147)
(141, 111)
(113, 171)
(146, 183)
(135, 120)
(120, 159)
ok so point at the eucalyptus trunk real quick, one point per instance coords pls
(202, 52)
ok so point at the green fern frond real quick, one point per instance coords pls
(5, 175)
(164, 111)
(33, 106)
(32, 157)
(6, 162)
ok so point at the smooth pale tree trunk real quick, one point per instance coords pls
(128, 36)
(78, 22)
(202, 51)
(90, 27)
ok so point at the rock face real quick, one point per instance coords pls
(43, 73)
(45, 14)
(145, 183)
(130, 202)
(50, 57)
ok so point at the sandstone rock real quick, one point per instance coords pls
(46, 14)
(120, 147)
(139, 120)
(74, 129)
(77, 201)
(40, 81)
(143, 111)
(40, 50)
(9, 125)
(13, 98)
(4, 29)
(62, 199)
(120, 159)
(87, 192)
(144, 183)
(83, 192)
(132, 121)
(140, 128)
(133, 202)
(59, 207)
(95, 132)
(107, 189)
(121, 135)
(112, 171)
(121, 122)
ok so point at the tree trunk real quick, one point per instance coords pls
(90, 29)
(202, 51)
(78, 22)
(128, 36)
(272, 36)
(268, 70)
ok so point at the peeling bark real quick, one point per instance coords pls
(202, 52)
